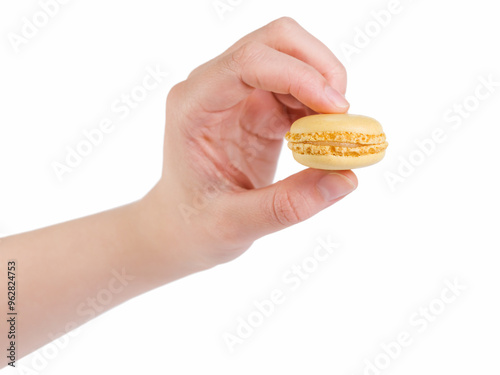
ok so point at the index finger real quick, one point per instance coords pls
(287, 36)
(231, 78)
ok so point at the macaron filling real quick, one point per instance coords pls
(336, 143)
(337, 136)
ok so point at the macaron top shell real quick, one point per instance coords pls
(337, 123)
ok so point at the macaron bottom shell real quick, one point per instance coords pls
(333, 162)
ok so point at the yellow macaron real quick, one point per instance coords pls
(337, 141)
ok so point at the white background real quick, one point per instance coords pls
(397, 246)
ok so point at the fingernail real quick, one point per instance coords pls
(334, 185)
(336, 98)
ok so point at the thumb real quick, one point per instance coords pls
(258, 212)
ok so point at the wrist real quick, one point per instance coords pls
(165, 242)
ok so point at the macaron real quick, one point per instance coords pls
(337, 141)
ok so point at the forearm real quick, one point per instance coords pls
(71, 272)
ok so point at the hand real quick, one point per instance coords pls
(224, 130)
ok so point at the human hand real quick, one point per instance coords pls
(224, 130)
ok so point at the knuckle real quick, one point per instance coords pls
(301, 79)
(283, 25)
(289, 207)
(245, 53)
(198, 71)
(180, 101)
(338, 75)
(174, 93)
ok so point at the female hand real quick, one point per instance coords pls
(223, 135)
(224, 130)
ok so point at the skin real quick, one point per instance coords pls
(224, 130)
